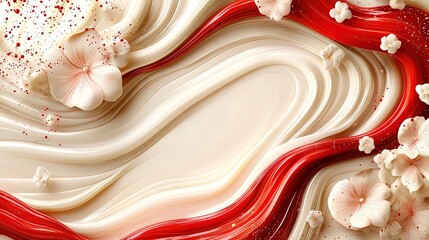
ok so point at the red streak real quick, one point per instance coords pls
(270, 206)
(20, 221)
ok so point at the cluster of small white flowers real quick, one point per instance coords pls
(397, 190)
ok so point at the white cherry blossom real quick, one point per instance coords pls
(366, 144)
(331, 56)
(390, 43)
(360, 201)
(315, 218)
(413, 215)
(340, 12)
(79, 74)
(411, 171)
(423, 91)
(274, 9)
(41, 178)
(385, 158)
(413, 135)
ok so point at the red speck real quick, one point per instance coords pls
(18, 44)
(16, 11)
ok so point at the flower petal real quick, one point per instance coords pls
(423, 164)
(411, 178)
(364, 180)
(84, 93)
(400, 165)
(385, 175)
(85, 49)
(378, 191)
(377, 211)
(359, 219)
(61, 73)
(342, 202)
(423, 143)
(417, 226)
(118, 52)
(109, 79)
(408, 135)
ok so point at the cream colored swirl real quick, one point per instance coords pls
(190, 138)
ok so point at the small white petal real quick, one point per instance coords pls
(118, 51)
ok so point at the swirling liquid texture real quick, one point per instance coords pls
(228, 127)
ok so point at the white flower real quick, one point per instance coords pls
(385, 175)
(400, 191)
(413, 215)
(391, 231)
(315, 218)
(79, 75)
(274, 9)
(411, 171)
(360, 202)
(384, 162)
(413, 135)
(366, 144)
(397, 4)
(390, 43)
(331, 56)
(385, 158)
(423, 91)
(117, 52)
(341, 12)
(41, 177)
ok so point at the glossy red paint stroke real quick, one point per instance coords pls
(19, 221)
(270, 206)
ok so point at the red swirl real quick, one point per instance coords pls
(270, 206)
(20, 221)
